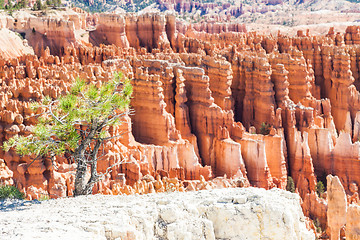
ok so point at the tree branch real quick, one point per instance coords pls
(52, 114)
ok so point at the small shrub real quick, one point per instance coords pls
(290, 186)
(10, 192)
(38, 6)
(19, 35)
(265, 129)
(317, 225)
(44, 197)
(320, 189)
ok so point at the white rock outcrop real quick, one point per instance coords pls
(12, 45)
(241, 213)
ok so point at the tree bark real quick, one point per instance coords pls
(80, 177)
(82, 186)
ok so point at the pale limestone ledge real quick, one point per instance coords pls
(236, 213)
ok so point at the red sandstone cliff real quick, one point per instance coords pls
(252, 107)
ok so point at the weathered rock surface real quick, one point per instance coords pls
(336, 213)
(247, 213)
(210, 100)
(5, 174)
(13, 45)
(111, 30)
(352, 222)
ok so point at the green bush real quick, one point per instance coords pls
(265, 129)
(44, 197)
(317, 225)
(38, 6)
(320, 189)
(290, 186)
(10, 192)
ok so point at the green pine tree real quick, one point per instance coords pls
(38, 5)
(265, 128)
(320, 189)
(290, 186)
(9, 5)
(77, 124)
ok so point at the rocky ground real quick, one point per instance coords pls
(239, 213)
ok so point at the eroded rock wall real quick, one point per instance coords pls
(233, 108)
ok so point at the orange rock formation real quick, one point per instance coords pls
(255, 108)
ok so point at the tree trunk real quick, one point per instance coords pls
(84, 186)
(80, 178)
